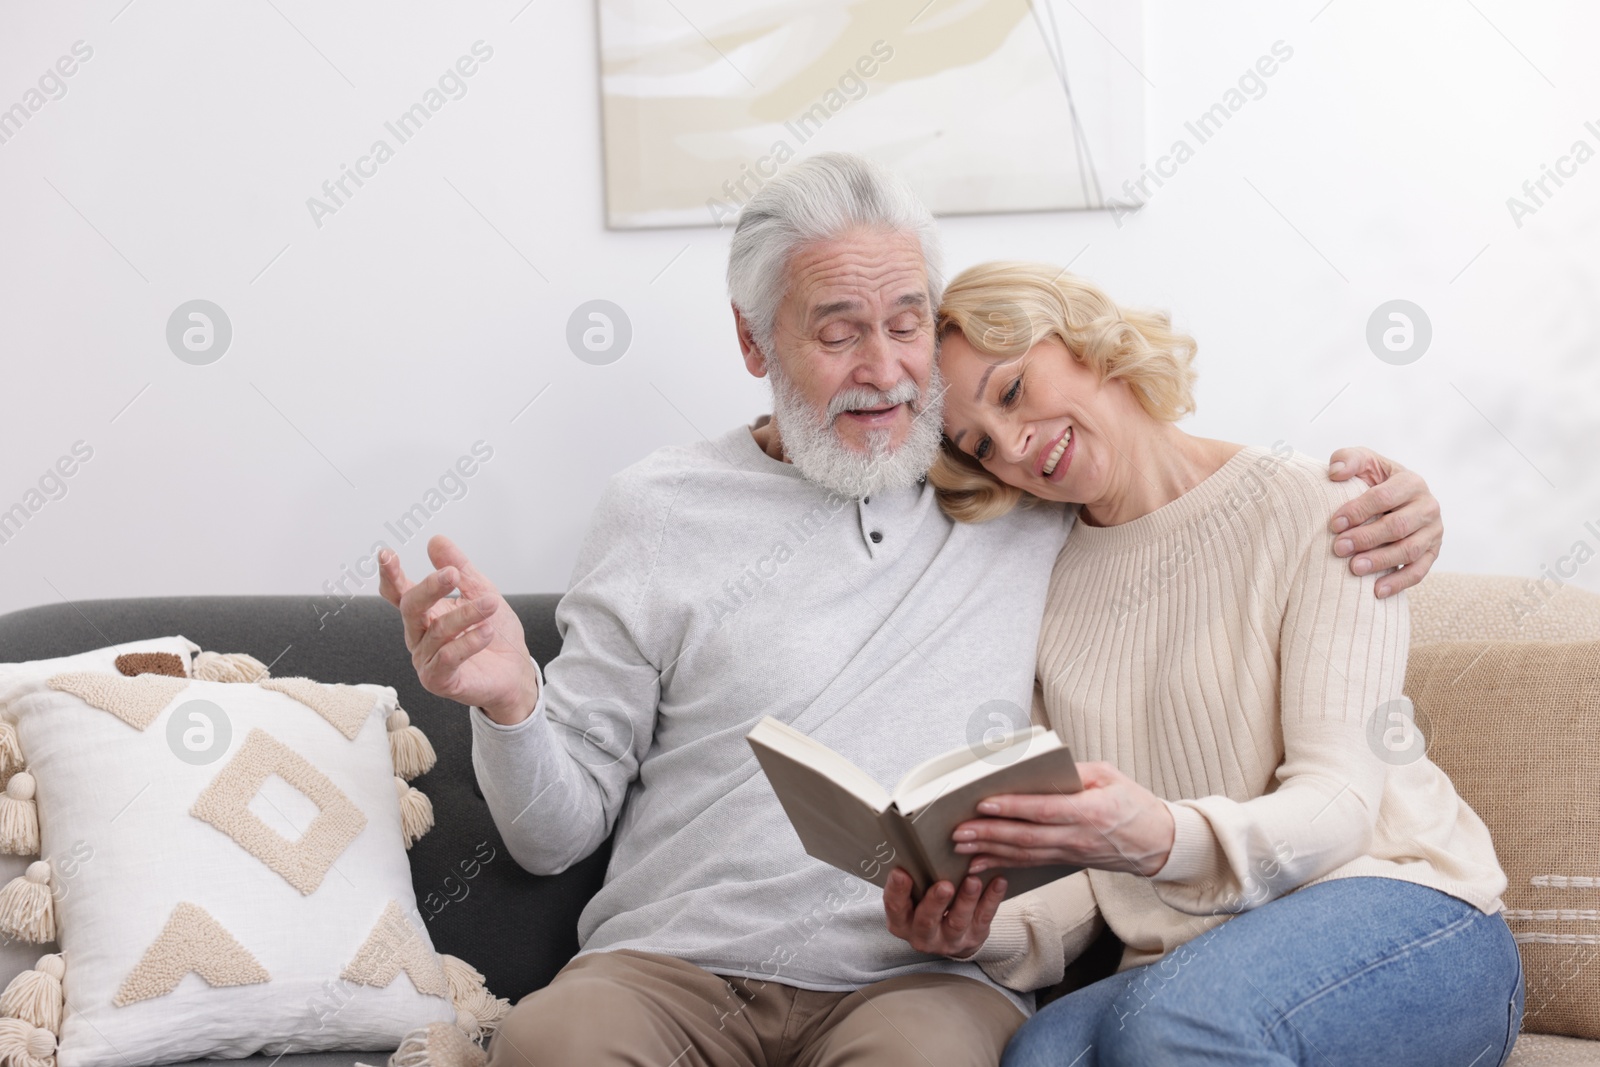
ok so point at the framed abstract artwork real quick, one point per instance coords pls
(983, 105)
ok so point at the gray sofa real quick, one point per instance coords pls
(517, 928)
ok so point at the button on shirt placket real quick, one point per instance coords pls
(871, 526)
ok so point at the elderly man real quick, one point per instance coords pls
(797, 567)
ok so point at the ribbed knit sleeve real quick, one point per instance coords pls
(1035, 935)
(1342, 654)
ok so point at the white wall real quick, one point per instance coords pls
(377, 349)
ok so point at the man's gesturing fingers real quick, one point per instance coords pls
(438, 671)
(421, 603)
(446, 553)
(392, 580)
(445, 635)
(442, 633)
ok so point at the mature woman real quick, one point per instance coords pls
(1236, 696)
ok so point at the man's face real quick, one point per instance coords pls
(854, 325)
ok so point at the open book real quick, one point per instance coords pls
(845, 818)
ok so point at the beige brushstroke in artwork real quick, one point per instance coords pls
(669, 152)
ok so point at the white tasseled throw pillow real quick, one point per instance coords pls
(223, 863)
(17, 956)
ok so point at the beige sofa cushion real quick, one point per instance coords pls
(1477, 607)
(1539, 1050)
(1516, 726)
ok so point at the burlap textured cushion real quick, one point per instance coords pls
(1544, 1050)
(1516, 726)
(1482, 607)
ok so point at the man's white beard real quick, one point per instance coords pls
(815, 448)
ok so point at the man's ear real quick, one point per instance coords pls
(755, 360)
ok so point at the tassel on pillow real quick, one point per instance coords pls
(228, 667)
(437, 1045)
(469, 1026)
(10, 751)
(19, 817)
(28, 908)
(35, 996)
(416, 811)
(23, 1044)
(408, 746)
(483, 1010)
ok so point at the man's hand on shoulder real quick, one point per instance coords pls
(469, 649)
(1393, 526)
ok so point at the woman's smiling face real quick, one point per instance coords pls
(1044, 423)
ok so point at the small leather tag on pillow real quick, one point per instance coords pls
(133, 664)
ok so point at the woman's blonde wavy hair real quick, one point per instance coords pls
(1003, 309)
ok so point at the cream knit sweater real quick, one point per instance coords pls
(1218, 652)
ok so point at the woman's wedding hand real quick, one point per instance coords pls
(945, 922)
(1114, 824)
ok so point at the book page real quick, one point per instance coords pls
(952, 770)
(1051, 770)
(834, 823)
(784, 739)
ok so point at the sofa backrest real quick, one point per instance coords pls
(515, 927)
(518, 928)
(1505, 682)
(1482, 607)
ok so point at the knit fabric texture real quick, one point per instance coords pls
(1219, 653)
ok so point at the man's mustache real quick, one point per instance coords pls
(858, 397)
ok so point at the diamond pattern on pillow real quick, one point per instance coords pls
(345, 706)
(191, 941)
(394, 946)
(136, 701)
(225, 804)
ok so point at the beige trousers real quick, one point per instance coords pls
(641, 1009)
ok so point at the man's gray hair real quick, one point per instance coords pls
(819, 199)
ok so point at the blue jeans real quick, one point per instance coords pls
(1355, 971)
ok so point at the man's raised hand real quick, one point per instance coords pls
(469, 649)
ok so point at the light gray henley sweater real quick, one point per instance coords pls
(717, 585)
